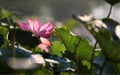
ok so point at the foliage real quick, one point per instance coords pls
(69, 53)
(23, 38)
(75, 44)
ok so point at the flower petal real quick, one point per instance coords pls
(45, 26)
(24, 26)
(45, 41)
(30, 22)
(44, 47)
(37, 28)
(47, 50)
(44, 34)
(50, 28)
(37, 25)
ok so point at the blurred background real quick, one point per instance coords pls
(59, 9)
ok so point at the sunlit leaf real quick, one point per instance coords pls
(84, 49)
(75, 44)
(3, 31)
(37, 49)
(3, 35)
(68, 40)
(57, 48)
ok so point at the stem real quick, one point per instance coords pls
(92, 58)
(13, 45)
(33, 51)
(104, 63)
(76, 58)
(69, 73)
(110, 11)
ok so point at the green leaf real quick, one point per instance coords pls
(107, 38)
(7, 17)
(1, 40)
(6, 13)
(111, 27)
(112, 2)
(117, 68)
(68, 40)
(3, 32)
(82, 68)
(57, 48)
(110, 48)
(75, 44)
(24, 38)
(84, 50)
(37, 49)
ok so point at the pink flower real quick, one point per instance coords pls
(45, 44)
(39, 30)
